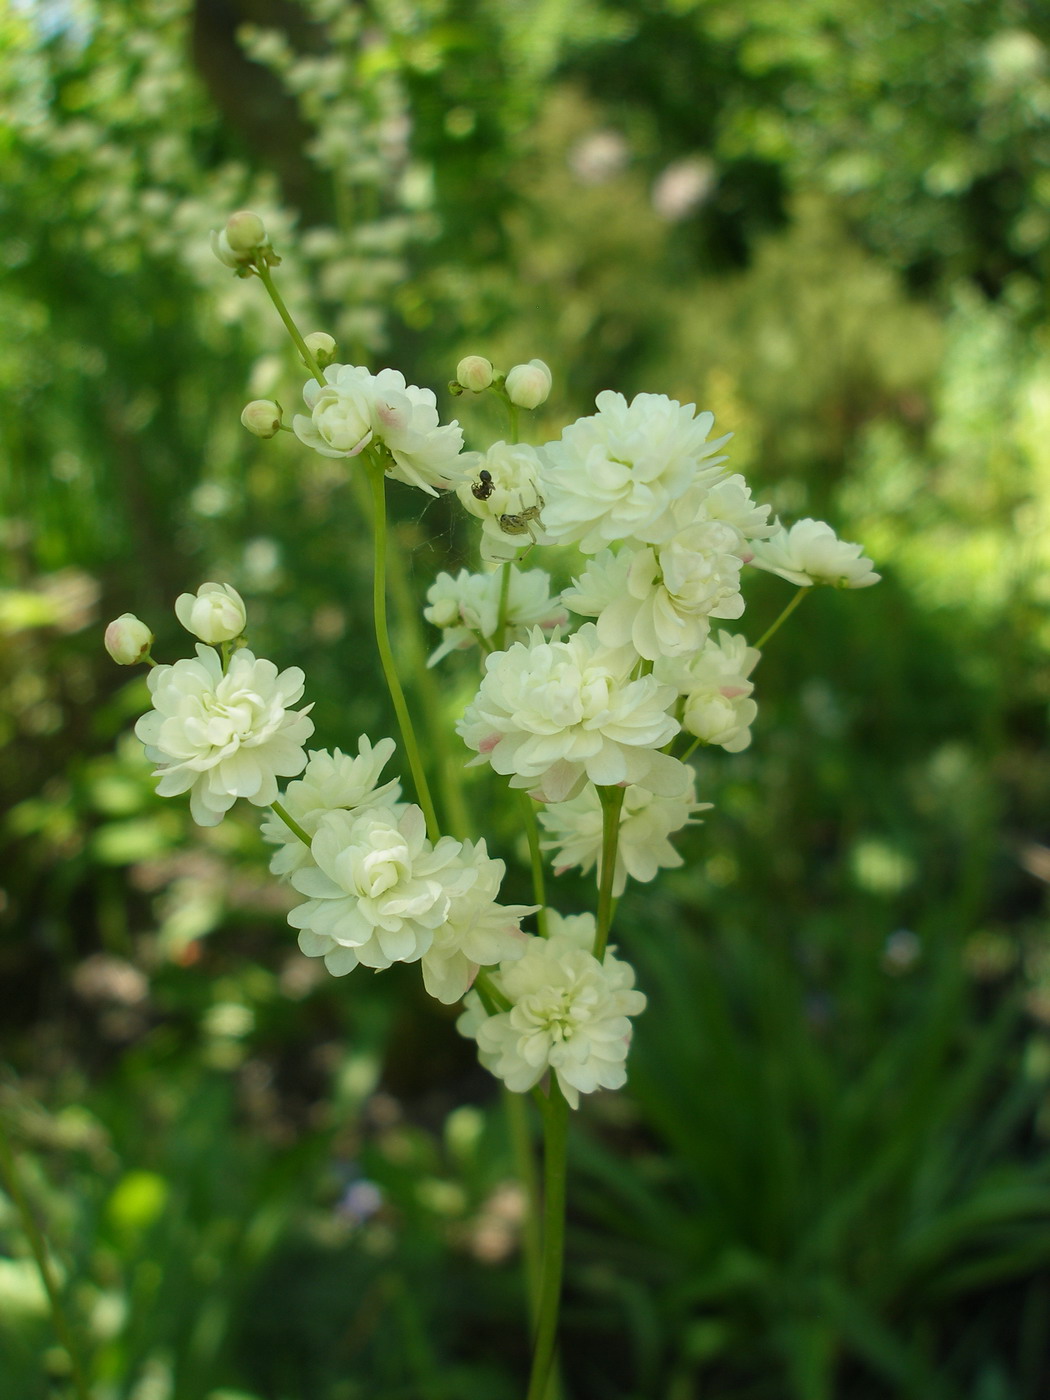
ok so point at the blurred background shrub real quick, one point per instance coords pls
(828, 223)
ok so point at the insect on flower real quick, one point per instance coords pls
(483, 487)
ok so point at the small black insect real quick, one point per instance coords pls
(483, 488)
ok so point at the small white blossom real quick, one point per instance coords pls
(718, 708)
(569, 1014)
(466, 607)
(478, 932)
(502, 491)
(615, 475)
(528, 385)
(475, 373)
(215, 613)
(128, 639)
(220, 737)
(262, 417)
(551, 714)
(330, 782)
(353, 408)
(377, 889)
(810, 552)
(646, 822)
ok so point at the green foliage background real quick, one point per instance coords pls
(829, 223)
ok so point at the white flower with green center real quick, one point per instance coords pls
(718, 706)
(215, 613)
(551, 714)
(377, 889)
(354, 408)
(466, 608)
(569, 1013)
(478, 932)
(222, 736)
(331, 782)
(615, 475)
(810, 552)
(646, 822)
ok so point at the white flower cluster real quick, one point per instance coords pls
(569, 1013)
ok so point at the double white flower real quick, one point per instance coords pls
(354, 408)
(467, 607)
(551, 714)
(223, 736)
(569, 1014)
(810, 552)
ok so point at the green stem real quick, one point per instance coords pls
(525, 1167)
(513, 410)
(377, 481)
(290, 822)
(504, 597)
(612, 804)
(266, 276)
(555, 1163)
(449, 766)
(490, 994)
(782, 618)
(63, 1329)
(539, 892)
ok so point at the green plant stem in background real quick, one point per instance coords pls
(612, 804)
(517, 1116)
(63, 1328)
(290, 822)
(449, 766)
(377, 481)
(781, 619)
(555, 1164)
(539, 888)
(266, 277)
(504, 596)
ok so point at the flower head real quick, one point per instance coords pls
(528, 385)
(353, 408)
(554, 713)
(503, 492)
(718, 706)
(478, 932)
(810, 552)
(569, 1014)
(128, 639)
(331, 782)
(377, 889)
(467, 607)
(614, 476)
(215, 613)
(646, 821)
(223, 736)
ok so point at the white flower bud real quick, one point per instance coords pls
(528, 385)
(262, 417)
(216, 613)
(245, 231)
(128, 639)
(322, 347)
(474, 372)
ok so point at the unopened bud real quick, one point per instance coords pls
(128, 639)
(322, 347)
(216, 613)
(474, 373)
(262, 417)
(528, 385)
(245, 231)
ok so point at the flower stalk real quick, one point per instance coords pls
(612, 804)
(555, 1171)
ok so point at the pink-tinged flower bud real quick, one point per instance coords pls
(128, 639)
(528, 385)
(215, 613)
(262, 417)
(245, 231)
(475, 373)
(322, 347)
